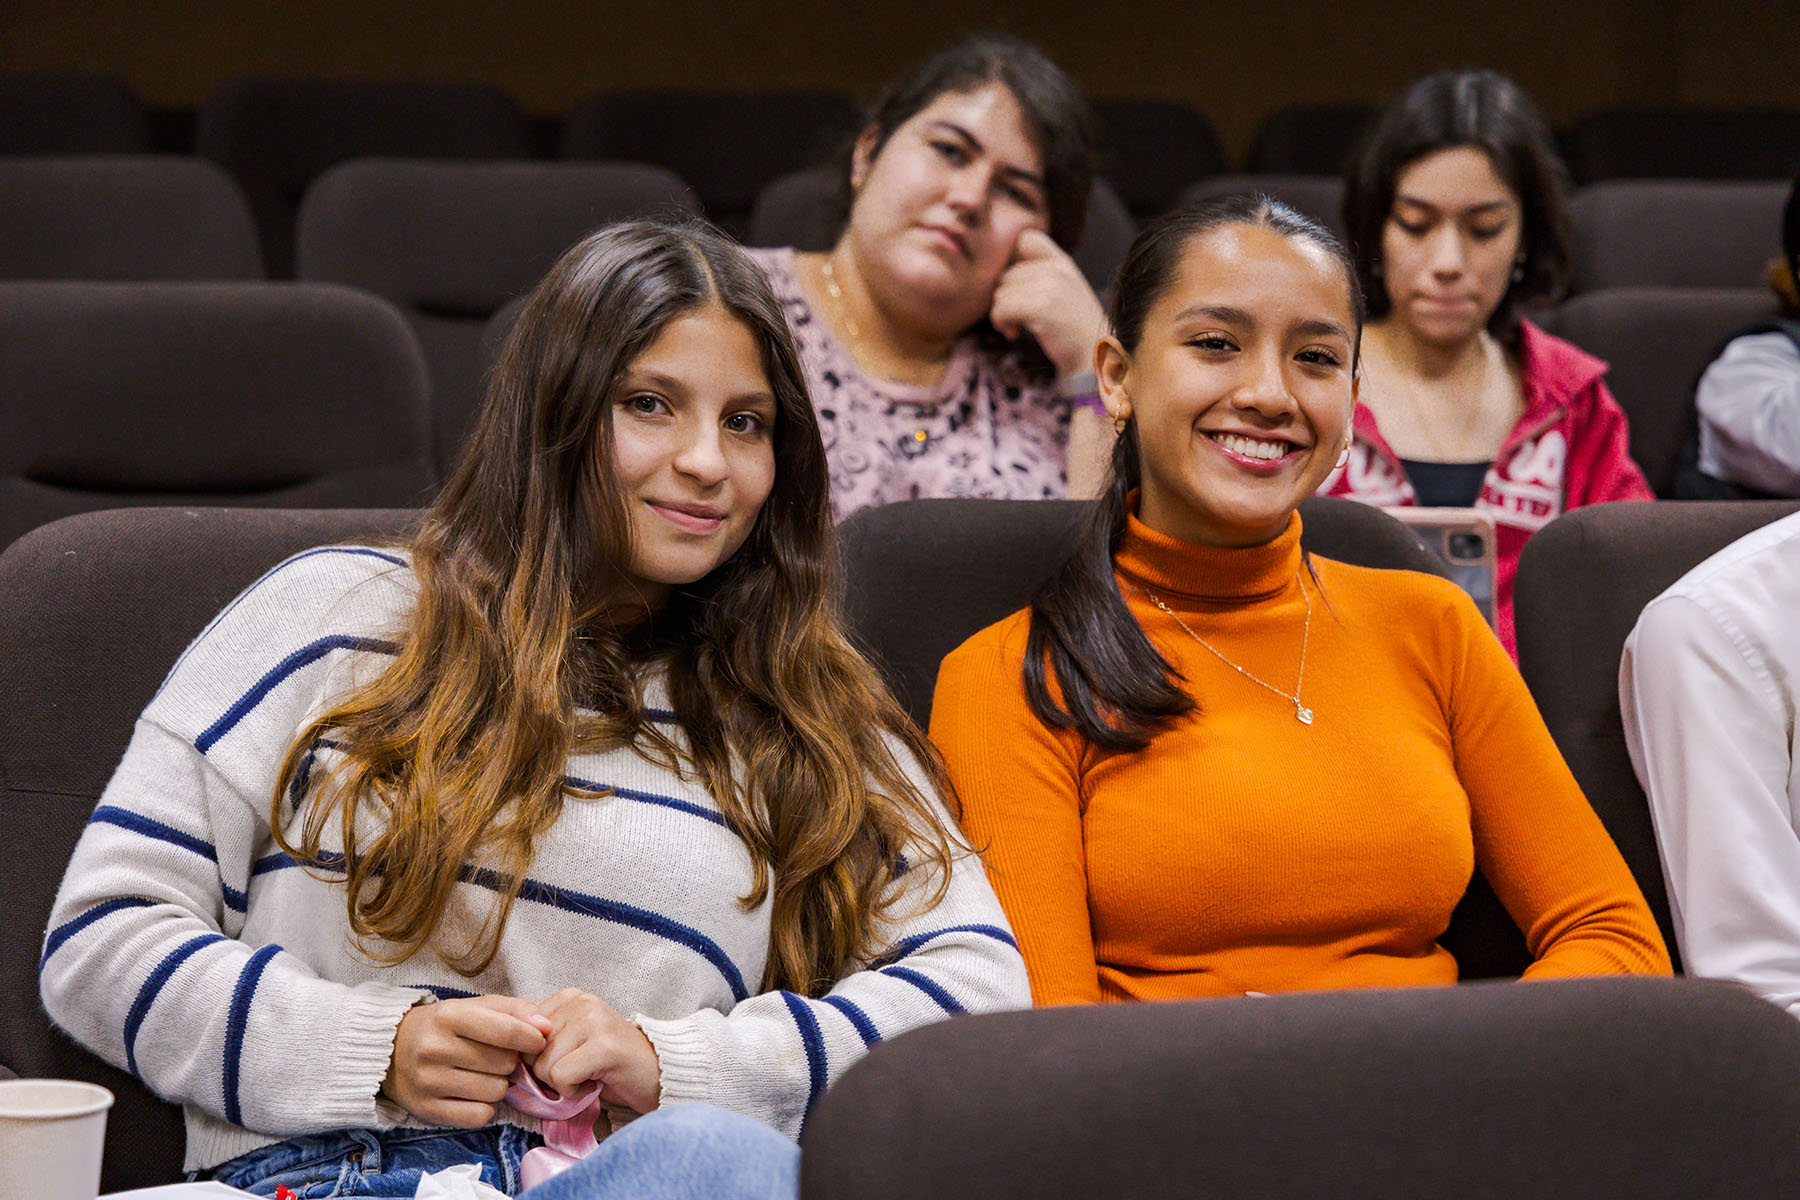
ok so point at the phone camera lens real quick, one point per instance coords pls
(1467, 545)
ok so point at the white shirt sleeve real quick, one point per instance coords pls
(1749, 404)
(1710, 733)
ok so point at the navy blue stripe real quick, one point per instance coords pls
(108, 814)
(661, 716)
(68, 929)
(620, 914)
(817, 1069)
(686, 806)
(901, 866)
(303, 657)
(944, 999)
(906, 946)
(303, 774)
(239, 1016)
(859, 1019)
(153, 986)
(244, 595)
(278, 861)
(442, 993)
(236, 901)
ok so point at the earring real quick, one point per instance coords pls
(1343, 455)
(1119, 424)
(1518, 273)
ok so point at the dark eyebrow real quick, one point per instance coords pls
(1322, 329)
(1225, 314)
(639, 378)
(974, 142)
(1490, 206)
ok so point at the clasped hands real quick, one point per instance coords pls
(452, 1059)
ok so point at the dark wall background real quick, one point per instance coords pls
(1234, 61)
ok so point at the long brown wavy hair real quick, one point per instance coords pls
(455, 756)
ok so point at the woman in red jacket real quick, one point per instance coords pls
(1456, 213)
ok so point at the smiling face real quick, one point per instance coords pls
(1449, 245)
(693, 448)
(939, 208)
(1240, 386)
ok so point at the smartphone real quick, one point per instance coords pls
(1464, 539)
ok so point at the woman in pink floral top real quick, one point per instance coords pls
(948, 337)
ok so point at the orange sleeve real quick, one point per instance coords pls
(1537, 840)
(1020, 790)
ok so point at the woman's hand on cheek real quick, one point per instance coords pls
(451, 1059)
(1042, 292)
(588, 1040)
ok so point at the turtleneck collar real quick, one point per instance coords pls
(1171, 567)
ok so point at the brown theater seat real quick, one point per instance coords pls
(275, 136)
(123, 218)
(1674, 233)
(1583, 580)
(98, 607)
(289, 395)
(450, 243)
(1657, 341)
(1603, 1089)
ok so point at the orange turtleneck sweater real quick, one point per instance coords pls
(1245, 851)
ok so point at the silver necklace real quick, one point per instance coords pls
(1302, 713)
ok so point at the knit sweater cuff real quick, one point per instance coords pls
(685, 1057)
(363, 1037)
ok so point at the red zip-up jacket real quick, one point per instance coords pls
(1568, 450)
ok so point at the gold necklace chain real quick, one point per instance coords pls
(837, 299)
(1302, 713)
(910, 445)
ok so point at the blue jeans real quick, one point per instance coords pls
(683, 1152)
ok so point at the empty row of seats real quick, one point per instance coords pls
(1630, 1087)
(276, 135)
(168, 217)
(316, 394)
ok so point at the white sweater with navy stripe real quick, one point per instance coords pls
(185, 947)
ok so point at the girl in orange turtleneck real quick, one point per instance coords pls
(1204, 763)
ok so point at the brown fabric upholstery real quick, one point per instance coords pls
(70, 113)
(127, 218)
(1309, 139)
(925, 575)
(1151, 149)
(1320, 197)
(1675, 233)
(98, 608)
(1684, 143)
(1605, 1089)
(1583, 580)
(276, 135)
(728, 145)
(449, 243)
(798, 210)
(296, 395)
(1657, 341)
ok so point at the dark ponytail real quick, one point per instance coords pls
(1111, 684)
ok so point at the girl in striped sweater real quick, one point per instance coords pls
(584, 779)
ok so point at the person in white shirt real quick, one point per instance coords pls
(1708, 689)
(1748, 399)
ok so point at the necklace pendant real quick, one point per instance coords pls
(1302, 713)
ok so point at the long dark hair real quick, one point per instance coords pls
(457, 752)
(1486, 111)
(1088, 664)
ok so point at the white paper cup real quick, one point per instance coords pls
(51, 1133)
